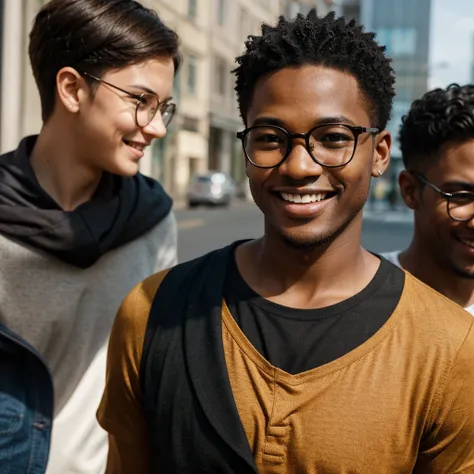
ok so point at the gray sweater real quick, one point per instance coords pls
(71, 326)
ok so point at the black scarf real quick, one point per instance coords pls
(123, 210)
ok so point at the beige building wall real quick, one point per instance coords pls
(185, 149)
(20, 104)
(232, 22)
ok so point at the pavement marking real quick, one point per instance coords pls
(191, 224)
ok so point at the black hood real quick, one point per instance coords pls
(124, 209)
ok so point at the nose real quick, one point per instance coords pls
(156, 128)
(299, 164)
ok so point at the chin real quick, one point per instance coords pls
(305, 240)
(464, 271)
(311, 236)
(127, 170)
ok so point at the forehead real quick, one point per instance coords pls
(304, 95)
(155, 74)
(456, 162)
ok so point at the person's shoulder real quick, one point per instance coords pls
(145, 291)
(164, 232)
(470, 309)
(11, 158)
(166, 225)
(7, 159)
(136, 305)
(435, 313)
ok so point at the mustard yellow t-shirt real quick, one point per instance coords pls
(402, 402)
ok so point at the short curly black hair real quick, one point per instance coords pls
(440, 117)
(326, 41)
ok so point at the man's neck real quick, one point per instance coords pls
(417, 261)
(307, 278)
(59, 170)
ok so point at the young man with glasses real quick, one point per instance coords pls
(437, 143)
(79, 226)
(299, 352)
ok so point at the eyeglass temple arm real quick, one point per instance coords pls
(431, 185)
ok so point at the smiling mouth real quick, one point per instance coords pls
(306, 198)
(468, 242)
(137, 146)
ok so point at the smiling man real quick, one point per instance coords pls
(437, 142)
(79, 226)
(299, 352)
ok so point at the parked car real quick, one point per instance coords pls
(213, 188)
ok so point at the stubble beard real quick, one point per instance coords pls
(314, 241)
(462, 272)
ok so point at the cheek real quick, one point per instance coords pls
(257, 176)
(434, 222)
(356, 181)
(112, 117)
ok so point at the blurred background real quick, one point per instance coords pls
(431, 43)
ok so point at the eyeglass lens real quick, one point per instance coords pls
(331, 145)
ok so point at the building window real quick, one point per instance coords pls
(243, 24)
(191, 74)
(399, 41)
(190, 124)
(220, 76)
(192, 9)
(221, 12)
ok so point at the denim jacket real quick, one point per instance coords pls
(26, 407)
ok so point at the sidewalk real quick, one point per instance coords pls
(387, 215)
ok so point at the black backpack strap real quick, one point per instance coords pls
(166, 304)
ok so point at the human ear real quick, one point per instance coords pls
(69, 87)
(381, 153)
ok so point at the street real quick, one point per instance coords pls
(204, 229)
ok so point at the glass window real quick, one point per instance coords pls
(221, 76)
(192, 9)
(221, 12)
(399, 41)
(243, 24)
(403, 41)
(192, 74)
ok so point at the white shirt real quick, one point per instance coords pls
(393, 257)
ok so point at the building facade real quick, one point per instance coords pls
(404, 28)
(20, 111)
(184, 150)
(291, 8)
(232, 22)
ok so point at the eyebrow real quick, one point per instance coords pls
(459, 184)
(149, 91)
(340, 119)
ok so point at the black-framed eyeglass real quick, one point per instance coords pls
(147, 105)
(330, 145)
(459, 204)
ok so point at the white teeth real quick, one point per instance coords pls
(303, 198)
(135, 145)
(469, 243)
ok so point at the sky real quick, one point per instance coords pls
(451, 42)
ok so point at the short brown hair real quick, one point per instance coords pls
(94, 36)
